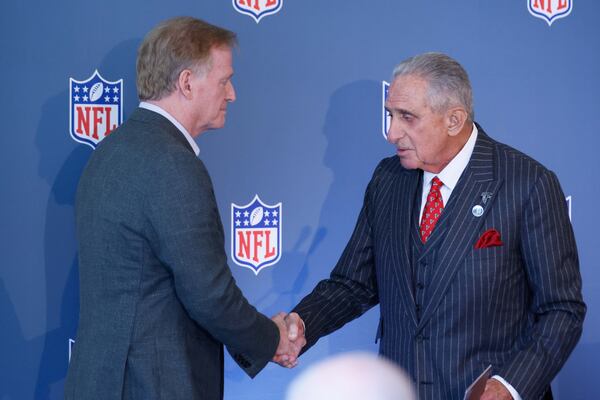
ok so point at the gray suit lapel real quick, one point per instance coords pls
(456, 232)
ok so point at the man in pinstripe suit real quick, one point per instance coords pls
(494, 280)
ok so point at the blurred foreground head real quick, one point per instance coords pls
(352, 376)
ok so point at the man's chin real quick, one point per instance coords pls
(408, 163)
(217, 124)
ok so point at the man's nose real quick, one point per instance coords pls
(230, 94)
(394, 132)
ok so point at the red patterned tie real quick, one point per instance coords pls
(433, 209)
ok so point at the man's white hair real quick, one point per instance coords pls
(448, 81)
(352, 376)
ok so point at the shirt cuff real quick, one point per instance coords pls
(508, 387)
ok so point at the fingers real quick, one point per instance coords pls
(494, 390)
(284, 362)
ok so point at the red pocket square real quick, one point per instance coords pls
(490, 238)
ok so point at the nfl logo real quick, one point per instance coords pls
(386, 116)
(257, 9)
(95, 108)
(550, 10)
(256, 234)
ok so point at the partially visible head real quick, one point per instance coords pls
(184, 51)
(352, 376)
(430, 100)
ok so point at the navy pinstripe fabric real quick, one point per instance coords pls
(448, 309)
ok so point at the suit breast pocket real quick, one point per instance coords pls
(490, 260)
(489, 273)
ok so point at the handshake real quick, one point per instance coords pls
(291, 339)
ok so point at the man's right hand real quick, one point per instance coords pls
(291, 339)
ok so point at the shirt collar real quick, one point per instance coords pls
(452, 172)
(161, 111)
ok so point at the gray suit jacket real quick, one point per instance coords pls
(449, 309)
(157, 297)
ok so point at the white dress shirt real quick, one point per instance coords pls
(449, 177)
(186, 134)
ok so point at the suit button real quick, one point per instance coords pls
(420, 286)
(418, 307)
(419, 338)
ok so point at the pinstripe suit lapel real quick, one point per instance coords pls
(402, 202)
(456, 232)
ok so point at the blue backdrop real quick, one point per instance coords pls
(305, 131)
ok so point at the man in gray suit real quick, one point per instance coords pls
(465, 244)
(157, 298)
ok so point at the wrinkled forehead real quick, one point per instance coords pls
(408, 89)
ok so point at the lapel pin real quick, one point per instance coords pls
(477, 211)
(485, 196)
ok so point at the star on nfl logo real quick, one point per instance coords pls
(549, 10)
(386, 116)
(257, 9)
(256, 234)
(95, 108)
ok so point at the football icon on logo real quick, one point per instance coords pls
(96, 91)
(256, 216)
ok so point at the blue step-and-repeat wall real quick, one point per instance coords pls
(306, 131)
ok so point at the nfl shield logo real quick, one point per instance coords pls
(256, 234)
(257, 9)
(550, 10)
(386, 116)
(95, 108)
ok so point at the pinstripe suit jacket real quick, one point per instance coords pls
(517, 306)
(157, 297)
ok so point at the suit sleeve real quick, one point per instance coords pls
(351, 289)
(190, 243)
(557, 309)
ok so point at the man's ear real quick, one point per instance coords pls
(184, 83)
(455, 120)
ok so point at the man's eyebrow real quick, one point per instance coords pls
(400, 110)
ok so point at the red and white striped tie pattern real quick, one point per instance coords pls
(433, 209)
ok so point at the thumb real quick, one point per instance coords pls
(292, 329)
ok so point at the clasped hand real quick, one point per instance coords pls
(291, 339)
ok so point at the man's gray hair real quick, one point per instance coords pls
(172, 46)
(449, 84)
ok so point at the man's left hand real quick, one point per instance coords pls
(494, 390)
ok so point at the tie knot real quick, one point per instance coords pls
(436, 183)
